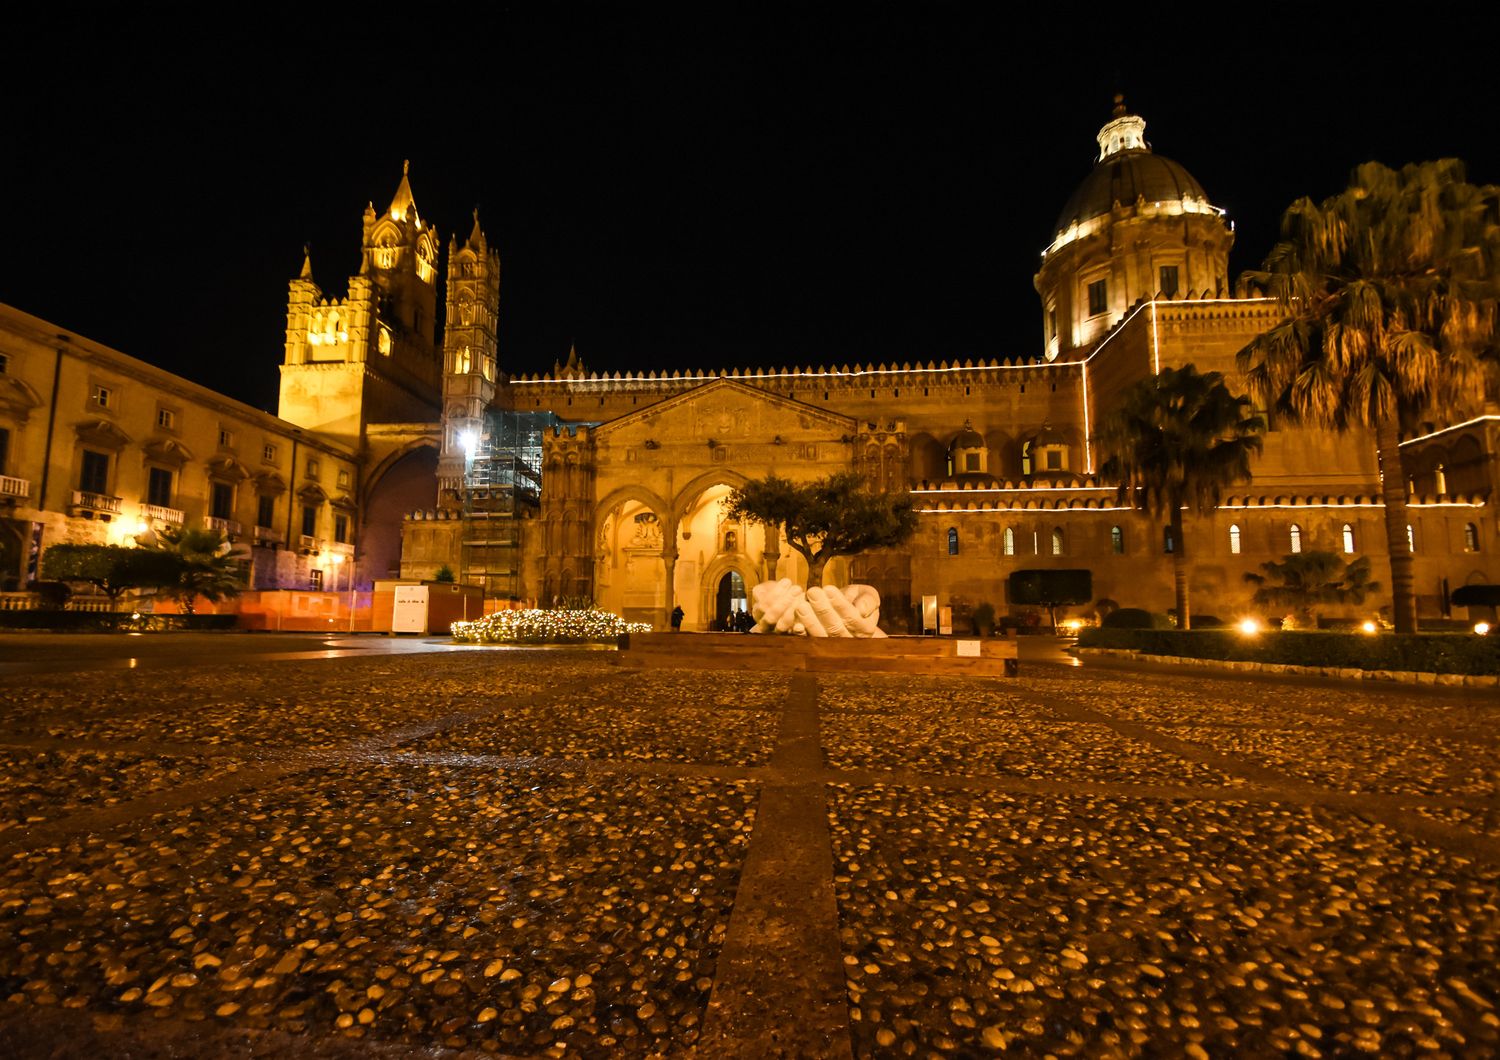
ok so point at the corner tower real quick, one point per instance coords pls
(470, 350)
(370, 357)
(1139, 226)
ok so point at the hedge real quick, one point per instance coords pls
(1442, 653)
(112, 621)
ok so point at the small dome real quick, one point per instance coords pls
(968, 438)
(1048, 436)
(1127, 171)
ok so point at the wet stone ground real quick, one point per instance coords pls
(543, 854)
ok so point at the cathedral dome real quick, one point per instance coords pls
(1126, 177)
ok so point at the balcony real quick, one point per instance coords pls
(227, 527)
(94, 505)
(307, 544)
(162, 514)
(265, 537)
(13, 489)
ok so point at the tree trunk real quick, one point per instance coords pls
(1393, 493)
(815, 567)
(1179, 570)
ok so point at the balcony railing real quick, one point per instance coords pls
(174, 516)
(14, 488)
(96, 502)
(228, 527)
(267, 537)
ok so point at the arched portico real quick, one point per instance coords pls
(713, 574)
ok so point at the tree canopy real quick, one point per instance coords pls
(1179, 439)
(1390, 290)
(835, 516)
(112, 569)
(206, 565)
(1302, 581)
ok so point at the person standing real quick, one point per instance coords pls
(677, 619)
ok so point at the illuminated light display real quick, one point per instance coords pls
(535, 626)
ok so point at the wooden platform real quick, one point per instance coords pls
(987, 657)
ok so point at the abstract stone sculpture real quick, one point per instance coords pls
(822, 611)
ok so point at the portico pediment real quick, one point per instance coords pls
(725, 412)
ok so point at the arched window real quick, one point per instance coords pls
(1439, 480)
(1234, 539)
(1116, 540)
(1348, 535)
(1025, 458)
(1010, 542)
(1057, 541)
(1168, 542)
(1411, 539)
(952, 540)
(1296, 538)
(1471, 537)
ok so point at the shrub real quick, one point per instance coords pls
(1135, 618)
(1443, 653)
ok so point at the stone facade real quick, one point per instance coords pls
(612, 483)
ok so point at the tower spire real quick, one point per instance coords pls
(306, 273)
(403, 203)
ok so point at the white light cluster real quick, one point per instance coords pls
(551, 627)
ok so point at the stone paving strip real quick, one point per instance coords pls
(537, 854)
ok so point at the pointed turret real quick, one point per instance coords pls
(476, 237)
(306, 273)
(402, 204)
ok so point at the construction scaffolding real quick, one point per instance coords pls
(502, 486)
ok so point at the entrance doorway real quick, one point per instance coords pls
(12, 555)
(731, 601)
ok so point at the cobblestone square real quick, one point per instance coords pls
(540, 853)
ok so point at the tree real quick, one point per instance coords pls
(1390, 290)
(112, 569)
(834, 516)
(1308, 579)
(206, 565)
(1179, 438)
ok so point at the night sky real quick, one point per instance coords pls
(727, 186)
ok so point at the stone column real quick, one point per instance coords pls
(669, 561)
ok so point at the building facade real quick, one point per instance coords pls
(573, 485)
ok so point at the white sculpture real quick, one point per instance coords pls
(822, 611)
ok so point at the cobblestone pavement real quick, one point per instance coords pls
(542, 854)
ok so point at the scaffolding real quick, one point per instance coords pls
(502, 486)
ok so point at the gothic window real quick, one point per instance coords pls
(1025, 458)
(1471, 537)
(1234, 539)
(1010, 542)
(1168, 280)
(1296, 538)
(1057, 541)
(1098, 297)
(952, 540)
(1348, 537)
(1116, 540)
(1439, 480)
(1168, 542)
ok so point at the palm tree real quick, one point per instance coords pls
(1390, 290)
(207, 565)
(1177, 439)
(1303, 580)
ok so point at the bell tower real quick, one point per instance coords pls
(470, 352)
(370, 357)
